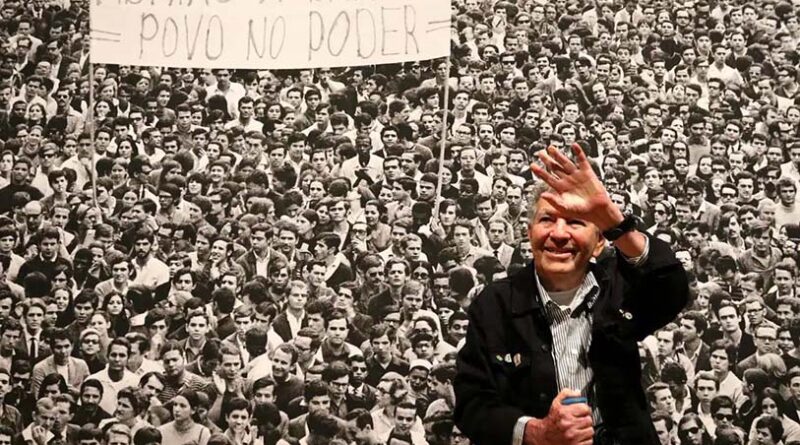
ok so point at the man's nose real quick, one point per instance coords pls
(559, 230)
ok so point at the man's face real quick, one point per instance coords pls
(729, 319)
(382, 346)
(754, 312)
(404, 419)
(152, 388)
(462, 237)
(724, 417)
(90, 396)
(666, 343)
(264, 395)
(117, 358)
(706, 390)
(63, 414)
(337, 331)
(561, 247)
(20, 173)
(761, 243)
(316, 322)
(764, 437)
(173, 363)
(485, 210)
(62, 350)
(34, 318)
(765, 339)
(787, 194)
(83, 311)
(783, 280)
(688, 329)
(281, 362)
(663, 433)
(143, 247)
(197, 327)
(9, 339)
(297, 298)
(45, 418)
(230, 366)
(664, 401)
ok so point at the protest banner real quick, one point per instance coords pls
(273, 34)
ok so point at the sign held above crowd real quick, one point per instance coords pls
(276, 34)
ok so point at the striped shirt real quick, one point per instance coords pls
(571, 328)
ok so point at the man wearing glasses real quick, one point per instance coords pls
(766, 337)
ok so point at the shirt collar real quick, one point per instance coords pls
(584, 290)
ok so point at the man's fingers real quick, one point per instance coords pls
(564, 162)
(544, 175)
(554, 200)
(549, 162)
(580, 156)
(579, 411)
(585, 433)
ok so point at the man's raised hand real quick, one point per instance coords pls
(576, 190)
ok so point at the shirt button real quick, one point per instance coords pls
(546, 348)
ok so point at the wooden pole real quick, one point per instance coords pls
(90, 124)
(443, 142)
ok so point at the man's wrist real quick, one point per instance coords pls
(533, 429)
(609, 218)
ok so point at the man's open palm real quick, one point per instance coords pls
(577, 191)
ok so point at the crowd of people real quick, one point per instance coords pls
(260, 257)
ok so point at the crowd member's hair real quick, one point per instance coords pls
(658, 416)
(773, 424)
(92, 383)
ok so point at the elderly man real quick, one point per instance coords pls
(567, 326)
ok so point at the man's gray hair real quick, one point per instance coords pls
(536, 195)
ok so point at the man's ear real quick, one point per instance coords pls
(598, 248)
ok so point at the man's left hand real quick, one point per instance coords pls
(576, 191)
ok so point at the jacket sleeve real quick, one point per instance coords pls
(480, 411)
(36, 379)
(656, 291)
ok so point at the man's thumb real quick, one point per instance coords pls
(565, 393)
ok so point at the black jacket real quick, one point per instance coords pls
(505, 369)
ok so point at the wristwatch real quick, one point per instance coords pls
(628, 224)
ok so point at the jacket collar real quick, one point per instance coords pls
(525, 294)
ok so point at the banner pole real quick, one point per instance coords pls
(91, 126)
(443, 142)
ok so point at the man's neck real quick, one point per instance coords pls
(383, 360)
(336, 349)
(692, 345)
(735, 336)
(297, 313)
(116, 374)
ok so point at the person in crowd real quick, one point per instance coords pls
(339, 225)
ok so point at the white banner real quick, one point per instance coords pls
(268, 34)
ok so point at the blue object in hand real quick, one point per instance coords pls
(574, 400)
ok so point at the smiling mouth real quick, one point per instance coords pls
(559, 253)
